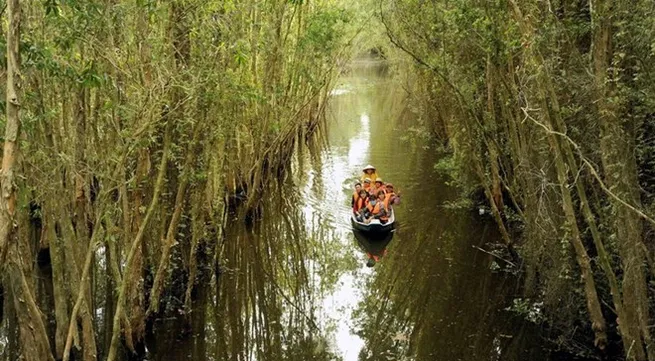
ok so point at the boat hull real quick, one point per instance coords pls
(374, 226)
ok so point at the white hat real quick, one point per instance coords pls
(368, 167)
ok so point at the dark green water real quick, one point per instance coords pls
(295, 286)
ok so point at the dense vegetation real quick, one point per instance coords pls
(548, 107)
(131, 127)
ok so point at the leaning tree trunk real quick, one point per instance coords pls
(490, 119)
(562, 156)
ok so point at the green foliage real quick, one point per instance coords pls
(530, 310)
(232, 84)
(323, 30)
(494, 77)
(448, 167)
(52, 8)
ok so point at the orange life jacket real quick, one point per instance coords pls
(359, 204)
(375, 190)
(374, 209)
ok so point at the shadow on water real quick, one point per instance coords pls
(294, 285)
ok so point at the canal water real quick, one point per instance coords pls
(294, 285)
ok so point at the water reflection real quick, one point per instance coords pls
(295, 285)
(358, 147)
(374, 245)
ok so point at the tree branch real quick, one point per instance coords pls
(590, 166)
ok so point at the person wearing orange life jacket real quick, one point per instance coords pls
(376, 209)
(391, 197)
(379, 186)
(384, 210)
(360, 206)
(370, 173)
(371, 191)
(358, 187)
(375, 188)
(367, 184)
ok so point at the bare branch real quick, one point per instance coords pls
(589, 165)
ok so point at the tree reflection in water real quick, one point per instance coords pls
(262, 302)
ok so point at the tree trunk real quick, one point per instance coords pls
(135, 287)
(60, 290)
(619, 163)
(598, 323)
(32, 332)
(169, 242)
(180, 44)
(12, 129)
(88, 337)
(136, 243)
(76, 283)
(33, 337)
(108, 311)
(490, 120)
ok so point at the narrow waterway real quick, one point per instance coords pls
(294, 285)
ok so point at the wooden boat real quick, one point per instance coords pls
(374, 226)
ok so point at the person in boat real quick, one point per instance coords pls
(370, 173)
(391, 196)
(365, 213)
(360, 205)
(367, 184)
(358, 187)
(376, 209)
(379, 186)
(375, 188)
